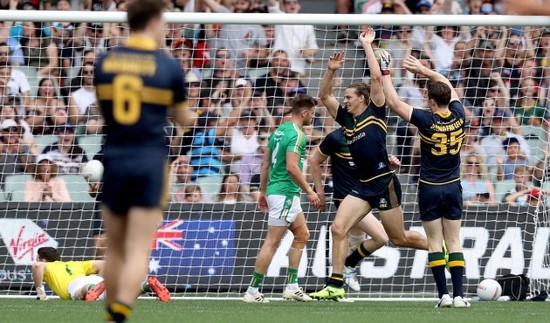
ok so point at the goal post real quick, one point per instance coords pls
(210, 236)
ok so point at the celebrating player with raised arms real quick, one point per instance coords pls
(345, 177)
(363, 120)
(281, 180)
(439, 190)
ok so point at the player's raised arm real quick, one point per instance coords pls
(377, 91)
(315, 163)
(412, 64)
(392, 99)
(335, 62)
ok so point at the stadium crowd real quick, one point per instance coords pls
(239, 80)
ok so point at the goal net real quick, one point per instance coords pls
(213, 229)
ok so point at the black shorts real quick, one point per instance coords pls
(440, 201)
(382, 194)
(134, 180)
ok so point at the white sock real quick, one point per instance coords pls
(293, 286)
(252, 290)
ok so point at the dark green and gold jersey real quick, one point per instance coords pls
(441, 139)
(366, 138)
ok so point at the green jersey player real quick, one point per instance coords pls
(281, 180)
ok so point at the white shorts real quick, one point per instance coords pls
(83, 281)
(283, 210)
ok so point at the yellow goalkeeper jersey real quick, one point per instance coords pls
(59, 274)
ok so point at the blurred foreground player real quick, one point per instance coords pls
(135, 84)
(78, 280)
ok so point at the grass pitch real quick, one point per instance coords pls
(26, 310)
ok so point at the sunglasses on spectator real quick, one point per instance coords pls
(12, 130)
(406, 30)
(222, 56)
(494, 90)
(4, 53)
(472, 163)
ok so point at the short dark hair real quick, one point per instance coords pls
(49, 254)
(361, 89)
(440, 92)
(141, 12)
(301, 102)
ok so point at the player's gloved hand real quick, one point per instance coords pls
(385, 62)
(41, 293)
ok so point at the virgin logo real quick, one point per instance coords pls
(21, 246)
(22, 238)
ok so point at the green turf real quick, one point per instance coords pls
(20, 311)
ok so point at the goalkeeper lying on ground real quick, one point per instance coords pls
(79, 280)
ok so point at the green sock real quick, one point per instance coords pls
(257, 280)
(292, 276)
(145, 287)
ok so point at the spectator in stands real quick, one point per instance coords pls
(398, 48)
(511, 59)
(440, 46)
(15, 156)
(527, 109)
(181, 172)
(194, 86)
(94, 38)
(48, 111)
(46, 186)
(182, 50)
(8, 112)
(298, 40)
(192, 194)
(244, 139)
(18, 82)
(514, 157)
(39, 50)
(477, 189)
(470, 145)
(251, 163)
(66, 153)
(224, 74)
(100, 5)
(268, 83)
(485, 116)
(477, 79)
(62, 37)
(258, 104)
(230, 191)
(492, 144)
(236, 96)
(243, 41)
(474, 7)
(519, 194)
(83, 103)
(541, 173)
(206, 155)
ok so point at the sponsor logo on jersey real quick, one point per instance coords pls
(383, 203)
(22, 238)
(381, 165)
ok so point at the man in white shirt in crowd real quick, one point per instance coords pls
(82, 103)
(298, 41)
(18, 82)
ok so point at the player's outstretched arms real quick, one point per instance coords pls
(335, 62)
(38, 269)
(392, 99)
(315, 162)
(377, 92)
(412, 64)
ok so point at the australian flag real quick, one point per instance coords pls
(188, 251)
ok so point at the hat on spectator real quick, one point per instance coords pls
(424, 3)
(510, 140)
(241, 82)
(190, 77)
(535, 193)
(182, 43)
(64, 127)
(9, 123)
(44, 157)
(297, 90)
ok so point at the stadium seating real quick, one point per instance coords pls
(78, 188)
(91, 144)
(501, 188)
(14, 187)
(210, 186)
(42, 141)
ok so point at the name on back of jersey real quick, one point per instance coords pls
(447, 127)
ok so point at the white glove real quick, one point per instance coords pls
(385, 62)
(41, 293)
